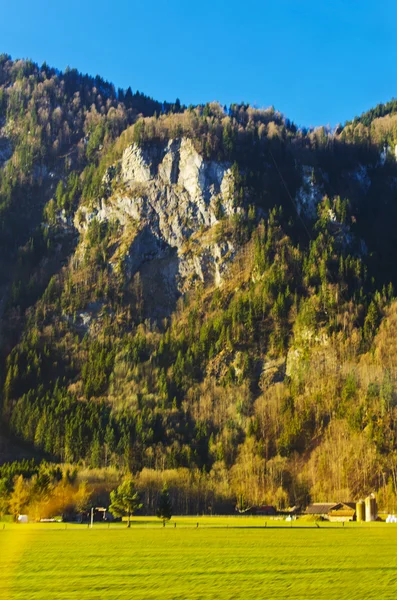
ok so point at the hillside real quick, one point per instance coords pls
(204, 292)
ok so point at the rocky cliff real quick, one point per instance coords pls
(168, 202)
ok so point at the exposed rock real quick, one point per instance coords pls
(145, 248)
(309, 194)
(136, 165)
(88, 319)
(170, 195)
(273, 371)
(383, 155)
(361, 175)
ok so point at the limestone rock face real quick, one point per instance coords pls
(309, 194)
(136, 165)
(173, 199)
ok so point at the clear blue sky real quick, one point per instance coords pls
(317, 61)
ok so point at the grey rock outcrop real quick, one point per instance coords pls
(309, 194)
(173, 199)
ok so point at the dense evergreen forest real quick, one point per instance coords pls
(272, 383)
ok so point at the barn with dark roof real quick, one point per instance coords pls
(333, 511)
(320, 509)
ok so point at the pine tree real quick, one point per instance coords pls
(371, 321)
(164, 510)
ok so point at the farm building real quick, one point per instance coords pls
(266, 511)
(344, 511)
(289, 512)
(320, 509)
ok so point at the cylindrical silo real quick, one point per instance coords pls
(374, 508)
(370, 508)
(360, 510)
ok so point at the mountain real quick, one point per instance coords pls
(205, 292)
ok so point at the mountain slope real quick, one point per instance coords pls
(209, 289)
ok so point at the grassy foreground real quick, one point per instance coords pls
(224, 558)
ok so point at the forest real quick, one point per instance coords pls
(276, 386)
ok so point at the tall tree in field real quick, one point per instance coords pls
(125, 500)
(19, 497)
(4, 497)
(164, 510)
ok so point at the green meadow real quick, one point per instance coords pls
(222, 559)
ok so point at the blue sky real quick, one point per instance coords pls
(318, 62)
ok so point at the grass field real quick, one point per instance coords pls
(222, 559)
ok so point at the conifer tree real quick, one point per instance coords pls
(164, 510)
